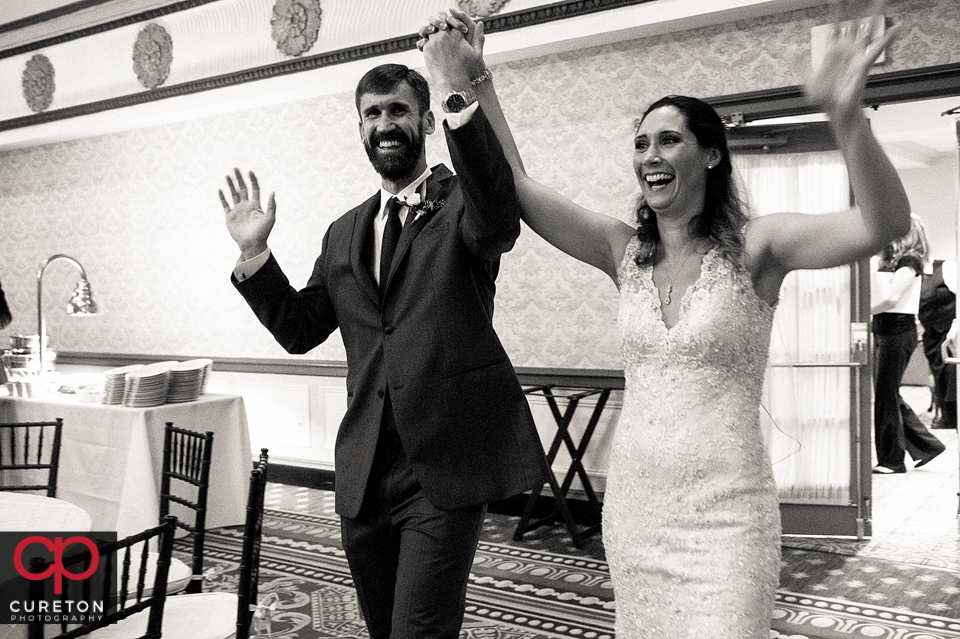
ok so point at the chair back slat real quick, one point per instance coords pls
(108, 583)
(125, 579)
(29, 450)
(142, 573)
(189, 457)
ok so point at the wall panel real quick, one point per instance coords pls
(139, 209)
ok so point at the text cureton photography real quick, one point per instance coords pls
(54, 577)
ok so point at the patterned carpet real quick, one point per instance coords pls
(543, 587)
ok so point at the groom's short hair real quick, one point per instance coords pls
(387, 77)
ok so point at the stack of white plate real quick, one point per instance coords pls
(187, 380)
(114, 383)
(147, 386)
(206, 376)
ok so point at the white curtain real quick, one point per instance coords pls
(806, 410)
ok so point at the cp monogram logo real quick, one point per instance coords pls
(57, 568)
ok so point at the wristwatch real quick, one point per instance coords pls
(457, 101)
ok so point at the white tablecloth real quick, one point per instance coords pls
(111, 456)
(23, 512)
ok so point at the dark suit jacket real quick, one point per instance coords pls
(461, 414)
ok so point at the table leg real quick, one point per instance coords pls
(576, 451)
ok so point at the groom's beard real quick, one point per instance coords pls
(394, 166)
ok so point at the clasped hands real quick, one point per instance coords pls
(452, 46)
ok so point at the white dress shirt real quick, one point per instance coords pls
(380, 221)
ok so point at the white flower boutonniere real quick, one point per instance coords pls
(420, 207)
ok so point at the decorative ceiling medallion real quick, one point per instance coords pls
(295, 25)
(152, 55)
(38, 83)
(481, 8)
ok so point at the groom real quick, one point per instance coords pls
(437, 424)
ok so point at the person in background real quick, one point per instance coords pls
(691, 523)
(437, 424)
(895, 301)
(5, 317)
(937, 310)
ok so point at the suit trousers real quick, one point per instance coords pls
(410, 561)
(897, 429)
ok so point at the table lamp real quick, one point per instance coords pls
(80, 303)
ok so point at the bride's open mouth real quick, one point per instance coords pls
(657, 181)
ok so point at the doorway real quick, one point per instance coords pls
(922, 143)
(814, 416)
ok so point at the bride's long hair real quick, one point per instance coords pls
(724, 214)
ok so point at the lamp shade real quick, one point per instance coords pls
(82, 302)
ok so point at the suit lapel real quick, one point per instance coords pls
(361, 246)
(438, 187)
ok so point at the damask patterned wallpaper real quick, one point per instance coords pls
(140, 210)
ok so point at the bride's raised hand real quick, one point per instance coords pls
(837, 84)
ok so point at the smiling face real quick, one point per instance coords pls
(670, 163)
(394, 131)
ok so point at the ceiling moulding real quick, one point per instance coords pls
(15, 41)
(82, 19)
(244, 52)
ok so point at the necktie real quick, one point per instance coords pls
(391, 234)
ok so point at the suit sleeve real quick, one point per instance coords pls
(491, 218)
(299, 320)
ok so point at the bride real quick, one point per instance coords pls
(691, 523)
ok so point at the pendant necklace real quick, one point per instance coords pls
(669, 296)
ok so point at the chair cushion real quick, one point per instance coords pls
(178, 577)
(207, 615)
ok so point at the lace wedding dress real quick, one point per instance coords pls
(691, 520)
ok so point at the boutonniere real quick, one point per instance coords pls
(420, 207)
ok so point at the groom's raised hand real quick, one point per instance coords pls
(249, 225)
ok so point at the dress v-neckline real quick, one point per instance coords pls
(684, 299)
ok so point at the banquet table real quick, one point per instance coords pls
(111, 455)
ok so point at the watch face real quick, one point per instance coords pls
(454, 103)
